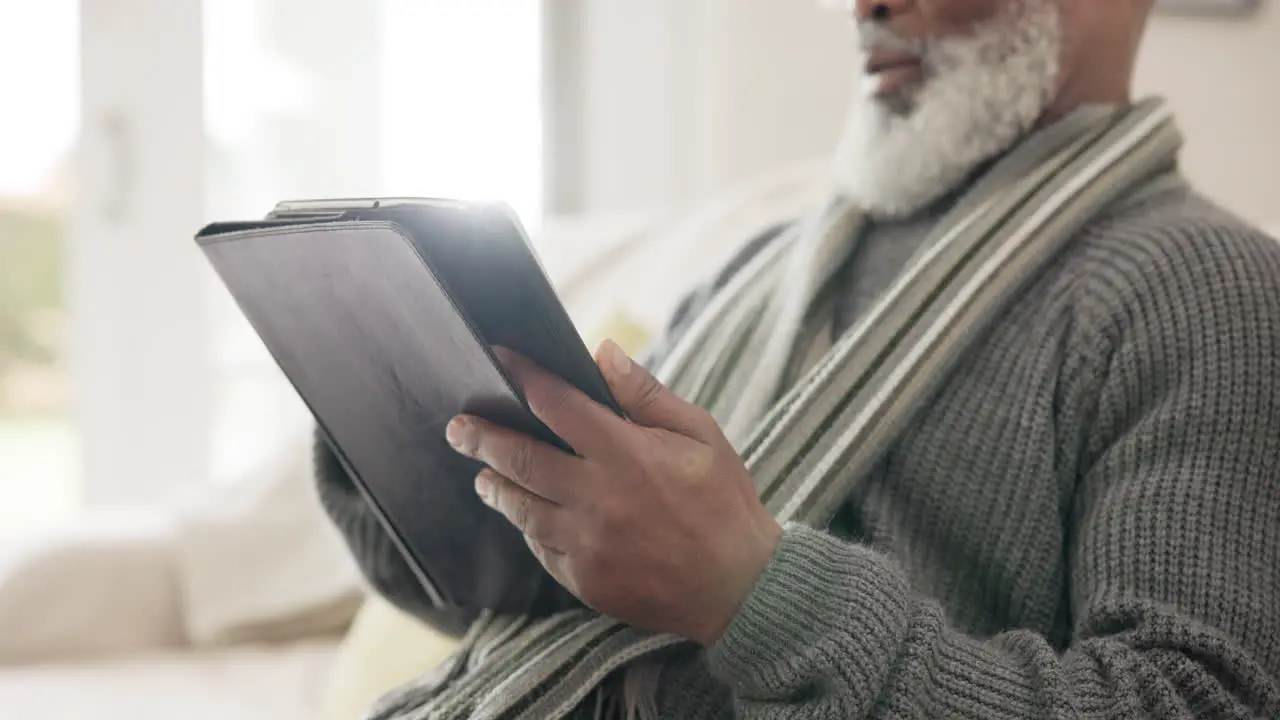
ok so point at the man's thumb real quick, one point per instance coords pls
(645, 400)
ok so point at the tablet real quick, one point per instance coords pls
(383, 313)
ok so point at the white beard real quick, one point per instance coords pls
(982, 93)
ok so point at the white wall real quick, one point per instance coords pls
(1222, 79)
(680, 97)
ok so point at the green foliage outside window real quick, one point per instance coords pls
(30, 285)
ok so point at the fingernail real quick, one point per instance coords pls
(458, 433)
(621, 363)
(484, 488)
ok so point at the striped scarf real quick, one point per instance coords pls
(810, 430)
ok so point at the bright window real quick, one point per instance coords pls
(420, 97)
(39, 470)
(461, 112)
(436, 98)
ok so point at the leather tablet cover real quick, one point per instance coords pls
(385, 334)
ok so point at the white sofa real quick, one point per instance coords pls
(243, 683)
(113, 617)
(148, 613)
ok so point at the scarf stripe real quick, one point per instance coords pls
(621, 648)
(820, 246)
(724, 350)
(748, 278)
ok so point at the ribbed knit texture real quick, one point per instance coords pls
(1084, 523)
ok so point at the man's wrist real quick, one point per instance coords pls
(816, 590)
(761, 548)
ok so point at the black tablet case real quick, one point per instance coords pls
(383, 319)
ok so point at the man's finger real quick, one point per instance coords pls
(646, 400)
(536, 466)
(579, 420)
(542, 522)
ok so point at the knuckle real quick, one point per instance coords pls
(498, 497)
(523, 511)
(522, 460)
(695, 462)
(650, 391)
(528, 520)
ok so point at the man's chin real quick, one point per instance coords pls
(914, 137)
(893, 170)
(898, 100)
(895, 104)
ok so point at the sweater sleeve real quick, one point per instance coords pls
(1173, 539)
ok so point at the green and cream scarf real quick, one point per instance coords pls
(811, 414)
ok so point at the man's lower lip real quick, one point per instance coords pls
(894, 80)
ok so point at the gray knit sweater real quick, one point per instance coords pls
(1085, 522)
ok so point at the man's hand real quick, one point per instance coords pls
(657, 523)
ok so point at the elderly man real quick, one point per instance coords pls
(994, 435)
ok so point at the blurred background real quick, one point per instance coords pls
(127, 376)
(127, 124)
